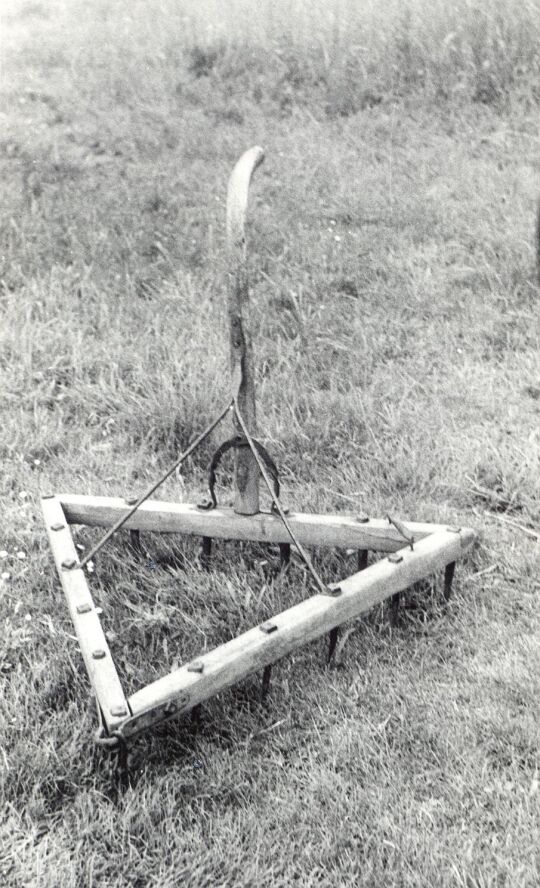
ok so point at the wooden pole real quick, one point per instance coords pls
(246, 472)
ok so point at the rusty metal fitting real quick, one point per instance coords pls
(268, 628)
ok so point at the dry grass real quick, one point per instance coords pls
(396, 321)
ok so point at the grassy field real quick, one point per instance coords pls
(395, 316)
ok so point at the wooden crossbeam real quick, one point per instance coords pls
(265, 644)
(341, 531)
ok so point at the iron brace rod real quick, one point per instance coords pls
(262, 468)
(121, 521)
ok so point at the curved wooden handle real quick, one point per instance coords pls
(237, 196)
(246, 473)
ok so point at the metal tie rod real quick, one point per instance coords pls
(121, 521)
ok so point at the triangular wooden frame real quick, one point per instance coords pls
(434, 547)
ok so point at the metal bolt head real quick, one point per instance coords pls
(69, 563)
(169, 707)
(57, 526)
(47, 496)
(453, 528)
(131, 500)
(395, 558)
(334, 590)
(268, 628)
(119, 711)
(362, 518)
(84, 608)
(196, 666)
(205, 505)
(98, 655)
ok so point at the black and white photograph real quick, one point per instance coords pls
(269, 443)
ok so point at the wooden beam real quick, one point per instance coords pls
(246, 472)
(259, 647)
(342, 531)
(94, 648)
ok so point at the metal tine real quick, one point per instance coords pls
(122, 766)
(284, 555)
(265, 686)
(332, 642)
(135, 540)
(394, 609)
(362, 559)
(448, 578)
(206, 552)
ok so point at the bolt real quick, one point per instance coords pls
(362, 518)
(454, 529)
(395, 558)
(196, 666)
(169, 707)
(84, 608)
(205, 505)
(119, 711)
(334, 591)
(98, 655)
(47, 496)
(69, 563)
(267, 628)
(131, 500)
(57, 526)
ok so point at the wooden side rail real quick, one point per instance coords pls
(94, 648)
(250, 652)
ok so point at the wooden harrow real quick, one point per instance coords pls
(412, 550)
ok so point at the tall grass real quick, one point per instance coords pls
(336, 56)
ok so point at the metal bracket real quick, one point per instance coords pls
(236, 442)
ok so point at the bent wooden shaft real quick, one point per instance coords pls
(93, 644)
(341, 531)
(263, 645)
(246, 473)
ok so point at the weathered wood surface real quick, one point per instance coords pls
(256, 649)
(341, 531)
(101, 671)
(246, 472)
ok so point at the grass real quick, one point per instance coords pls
(394, 307)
